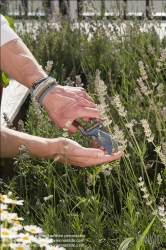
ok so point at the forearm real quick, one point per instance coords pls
(19, 63)
(11, 141)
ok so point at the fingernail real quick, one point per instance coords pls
(101, 154)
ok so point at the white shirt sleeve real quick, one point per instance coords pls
(7, 34)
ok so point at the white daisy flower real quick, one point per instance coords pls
(9, 217)
(19, 246)
(3, 207)
(43, 242)
(18, 218)
(33, 229)
(17, 202)
(4, 198)
(25, 238)
(2, 215)
(6, 233)
(17, 226)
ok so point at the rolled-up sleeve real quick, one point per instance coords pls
(7, 34)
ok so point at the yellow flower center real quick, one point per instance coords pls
(25, 238)
(17, 222)
(19, 248)
(2, 197)
(5, 232)
(1, 210)
(14, 201)
(33, 230)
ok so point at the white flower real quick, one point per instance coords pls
(3, 215)
(117, 102)
(144, 189)
(25, 238)
(2, 208)
(147, 130)
(6, 233)
(148, 203)
(161, 210)
(68, 124)
(4, 198)
(16, 218)
(48, 197)
(9, 194)
(162, 214)
(90, 180)
(145, 196)
(141, 183)
(19, 246)
(154, 212)
(17, 202)
(159, 179)
(163, 220)
(151, 138)
(129, 125)
(54, 248)
(9, 217)
(43, 242)
(65, 134)
(158, 149)
(16, 226)
(33, 229)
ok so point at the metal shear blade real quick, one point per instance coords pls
(102, 138)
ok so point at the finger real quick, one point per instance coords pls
(85, 101)
(94, 144)
(87, 162)
(76, 124)
(86, 119)
(87, 112)
(82, 89)
(106, 158)
(85, 96)
(91, 153)
(81, 92)
(73, 129)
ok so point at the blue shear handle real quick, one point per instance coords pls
(103, 139)
(107, 142)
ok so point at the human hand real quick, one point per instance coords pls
(73, 153)
(64, 103)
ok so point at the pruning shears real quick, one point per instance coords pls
(102, 138)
